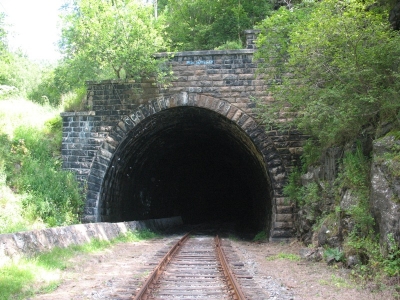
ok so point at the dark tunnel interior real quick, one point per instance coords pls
(189, 162)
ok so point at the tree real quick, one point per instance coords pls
(336, 67)
(202, 24)
(3, 36)
(118, 37)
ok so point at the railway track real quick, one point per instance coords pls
(196, 267)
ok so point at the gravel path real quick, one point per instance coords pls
(117, 272)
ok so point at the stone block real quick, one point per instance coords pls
(284, 217)
(283, 225)
(238, 114)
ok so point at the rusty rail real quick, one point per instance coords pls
(234, 287)
(141, 295)
(238, 294)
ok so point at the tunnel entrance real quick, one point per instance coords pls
(190, 162)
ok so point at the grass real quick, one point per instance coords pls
(260, 237)
(282, 255)
(336, 281)
(34, 191)
(233, 237)
(14, 112)
(42, 273)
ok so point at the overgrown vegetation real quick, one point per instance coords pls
(260, 237)
(359, 238)
(334, 64)
(353, 224)
(39, 274)
(34, 190)
(204, 25)
(333, 69)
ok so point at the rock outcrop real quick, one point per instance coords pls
(385, 188)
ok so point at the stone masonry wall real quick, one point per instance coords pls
(29, 243)
(226, 75)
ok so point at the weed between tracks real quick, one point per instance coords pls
(42, 273)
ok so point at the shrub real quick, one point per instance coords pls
(46, 91)
(54, 194)
(230, 45)
(74, 100)
(334, 65)
(34, 189)
(261, 236)
(334, 254)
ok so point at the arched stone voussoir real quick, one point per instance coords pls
(110, 144)
(146, 109)
(142, 118)
(126, 124)
(250, 126)
(177, 100)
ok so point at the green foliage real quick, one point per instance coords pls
(261, 236)
(355, 176)
(203, 25)
(230, 45)
(119, 37)
(46, 92)
(308, 195)
(292, 189)
(287, 256)
(20, 76)
(311, 154)
(335, 65)
(18, 71)
(30, 166)
(19, 280)
(74, 100)
(3, 35)
(355, 172)
(391, 263)
(11, 218)
(54, 195)
(336, 281)
(374, 263)
(334, 254)
(391, 158)
(14, 279)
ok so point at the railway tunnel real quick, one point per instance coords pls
(190, 162)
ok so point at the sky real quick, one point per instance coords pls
(33, 27)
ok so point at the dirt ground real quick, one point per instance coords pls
(117, 272)
(307, 280)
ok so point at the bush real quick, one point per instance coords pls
(334, 65)
(230, 45)
(74, 100)
(334, 254)
(34, 189)
(54, 195)
(261, 236)
(46, 91)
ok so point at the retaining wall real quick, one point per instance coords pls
(28, 243)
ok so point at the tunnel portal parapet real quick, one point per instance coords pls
(224, 82)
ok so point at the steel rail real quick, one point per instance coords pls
(142, 293)
(238, 294)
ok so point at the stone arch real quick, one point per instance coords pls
(101, 171)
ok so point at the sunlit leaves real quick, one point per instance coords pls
(117, 36)
(204, 24)
(338, 62)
